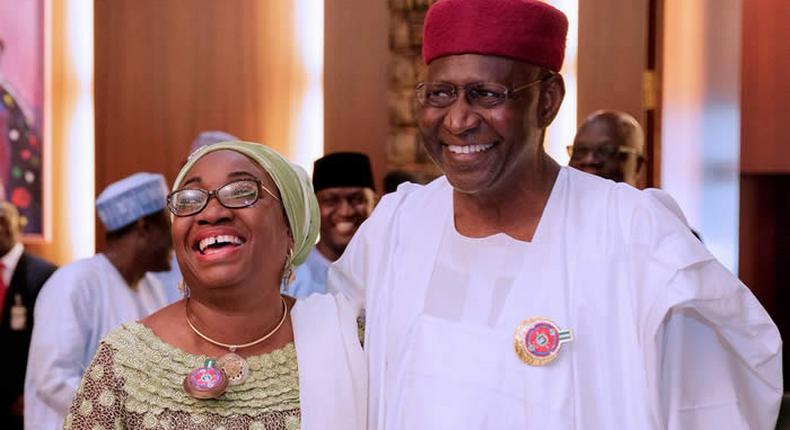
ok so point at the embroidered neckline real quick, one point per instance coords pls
(153, 370)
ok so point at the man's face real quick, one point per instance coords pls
(160, 243)
(9, 227)
(599, 149)
(343, 209)
(480, 149)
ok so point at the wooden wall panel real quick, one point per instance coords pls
(765, 87)
(765, 246)
(612, 56)
(62, 95)
(165, 70)
(618, 42)
(356, 58)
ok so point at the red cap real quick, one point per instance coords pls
(524, 30)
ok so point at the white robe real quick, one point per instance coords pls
(76, 308)
(664, 336)
(332, 368)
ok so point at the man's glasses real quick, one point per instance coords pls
(602, 152)
(484, 95)
(233, 195)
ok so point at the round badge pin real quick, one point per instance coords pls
(206, 382)
(235, 367)
(538, 340)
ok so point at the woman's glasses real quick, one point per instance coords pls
(233, 195)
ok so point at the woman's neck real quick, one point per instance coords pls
(231, 319)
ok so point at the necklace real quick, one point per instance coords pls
(212, 379)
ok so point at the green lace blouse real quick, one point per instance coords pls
(135, 382)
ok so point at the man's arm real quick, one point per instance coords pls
(57, 347)
(718, 354)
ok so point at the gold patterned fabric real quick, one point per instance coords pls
(135, 382)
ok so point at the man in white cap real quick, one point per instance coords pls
(84, 300)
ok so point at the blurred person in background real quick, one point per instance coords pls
(21, 277)
(84, 300)
(210, 137)
(343, 184)
(611, 145)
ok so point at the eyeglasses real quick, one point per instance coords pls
(606, 152)
(233, 195)
(484, 95)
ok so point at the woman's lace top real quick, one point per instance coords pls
(135, 382)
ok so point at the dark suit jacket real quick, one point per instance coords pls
(29, 276)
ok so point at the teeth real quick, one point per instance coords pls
(468, 149)
(225, 238)
(344, 227)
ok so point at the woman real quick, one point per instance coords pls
(234, 353)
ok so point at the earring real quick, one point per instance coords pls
(288, 270)
(183, 288)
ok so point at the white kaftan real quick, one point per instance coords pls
(664, 336)
(76, 308)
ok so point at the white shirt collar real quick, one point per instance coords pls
(10, 260)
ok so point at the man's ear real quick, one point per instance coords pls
(552, 93)
(640, 161)
(143, 227)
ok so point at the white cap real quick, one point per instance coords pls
(130, 199)
(210, 137)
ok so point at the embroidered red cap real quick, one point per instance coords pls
(525, 30)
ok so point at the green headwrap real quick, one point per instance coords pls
(296, 190)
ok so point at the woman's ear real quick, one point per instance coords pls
(551, 95)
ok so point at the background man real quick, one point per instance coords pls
(513, 291)
(210, 137)
(609, 144)
(21, 277)
(84, 300)
(343, 184)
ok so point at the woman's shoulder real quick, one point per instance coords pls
(131, 338)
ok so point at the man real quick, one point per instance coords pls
(21, 277)
(512, 293)
(609, 144)
(84, 300)
(343, 185)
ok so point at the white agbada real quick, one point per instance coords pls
(664, 336)
(332, 369)
(76, 308)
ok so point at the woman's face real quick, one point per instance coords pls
(220, 247)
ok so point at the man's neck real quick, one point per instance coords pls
(327, 251)
(515, 210)
(126, 264)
